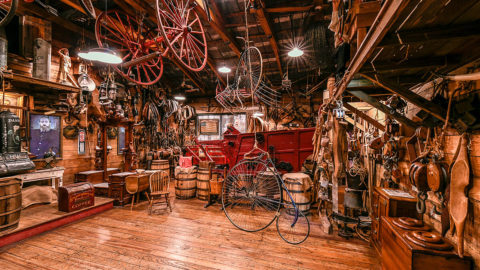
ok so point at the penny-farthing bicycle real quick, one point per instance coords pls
(180, 36)
(252, 199)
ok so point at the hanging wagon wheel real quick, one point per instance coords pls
(88, 8)
(138, 46)
(7, 11)
(250, 62)
(183, 32)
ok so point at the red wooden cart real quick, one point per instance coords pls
(287, 146)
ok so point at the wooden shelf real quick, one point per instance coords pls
(27, 83)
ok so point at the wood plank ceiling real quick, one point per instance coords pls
(426, 39)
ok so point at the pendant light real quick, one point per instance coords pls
(103, 55)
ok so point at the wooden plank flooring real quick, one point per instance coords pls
(190, 237)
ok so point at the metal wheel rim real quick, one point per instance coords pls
(89, 8)
(261, 203)
(300, 216)
(123, 38)
(243, 69)
(7, 12)
(176, 21)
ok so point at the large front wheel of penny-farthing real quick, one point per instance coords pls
(132, 40)
(183, 32)
(251, 195)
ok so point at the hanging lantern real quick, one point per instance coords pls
(103, 94)
(339, 112)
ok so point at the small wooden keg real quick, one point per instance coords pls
(186, 183)
(161, 164)
(203, 183)
(300, 187)
(216, 185)
(10, 203)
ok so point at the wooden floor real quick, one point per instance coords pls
(190, 237)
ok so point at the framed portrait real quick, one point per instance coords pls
(120, 140)
(44, 131)
(209, 126)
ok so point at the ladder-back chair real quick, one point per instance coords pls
(159, 190)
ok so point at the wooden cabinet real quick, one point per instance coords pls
(398, 253)
(386, 205)
(117, 190)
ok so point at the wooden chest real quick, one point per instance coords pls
(398, 253)
(75, 197)
(117, 188)
(94, 176)
(386, 205)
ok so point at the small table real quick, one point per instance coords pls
(94, 176)
(46, 174)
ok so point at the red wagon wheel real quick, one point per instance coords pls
(183, 32)
(133, 41)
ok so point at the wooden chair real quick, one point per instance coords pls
(159, 185)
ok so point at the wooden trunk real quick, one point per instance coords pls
(203, 184)
(10, 203)
(186, 184)
(399, 253)
(75, 197)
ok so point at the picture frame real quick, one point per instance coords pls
(44, 132)
(209, 126)
(81, 141)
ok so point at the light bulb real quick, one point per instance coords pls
(295, 52)
(225, 69)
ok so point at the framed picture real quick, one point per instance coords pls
(81, 142)
(209, 126)
(120, 140)
(44, 133)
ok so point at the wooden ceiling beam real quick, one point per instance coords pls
(31, 8)
(220, 29)
(417, 100)
(288, 9)
(364, 116)
(423, 35)
(388, 14)
(384, 108)
(265, 23)
(414, 63)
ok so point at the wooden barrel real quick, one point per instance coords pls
(300, 187)
(186, 183)
(203, 184)
(10, 203)
(161, 164)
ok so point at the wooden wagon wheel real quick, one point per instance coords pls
(139, 46)
(7, 11)
(183, 32)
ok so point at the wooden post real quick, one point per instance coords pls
(104, 154)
